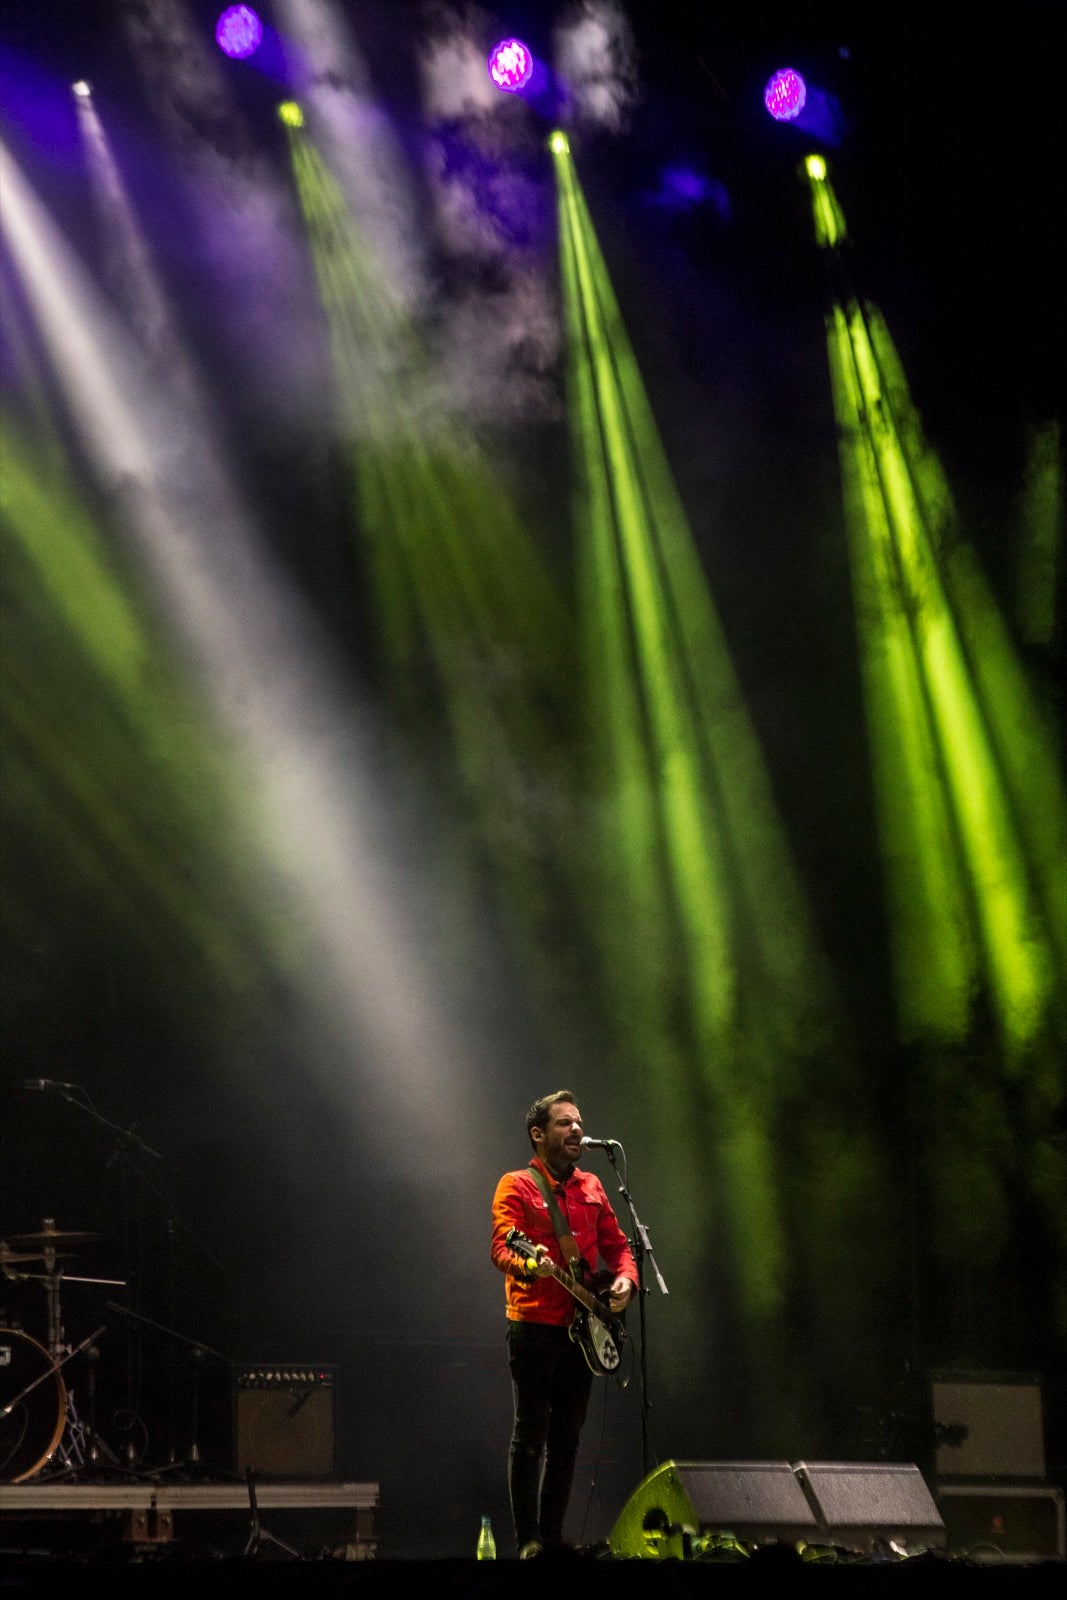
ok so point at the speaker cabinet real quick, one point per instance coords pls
(988, 1425)
(757, 1501)
(285, 1421)
(862, 1504)
(998, 1522)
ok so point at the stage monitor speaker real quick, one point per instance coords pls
(859, 1505)
(757, 1501)
(285, 1421)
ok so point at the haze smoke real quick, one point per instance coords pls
(246, 222)
(355, 138)
(597, 62)
(491, 188)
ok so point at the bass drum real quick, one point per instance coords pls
(33, 1426)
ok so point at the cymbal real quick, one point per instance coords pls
(23, 1257)
(51, 1236)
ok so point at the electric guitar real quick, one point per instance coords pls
(596, 1329)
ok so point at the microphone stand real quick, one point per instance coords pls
(193, 1462)
(642, 1251)
(134, 1158)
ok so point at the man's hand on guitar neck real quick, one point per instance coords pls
(539, 1265)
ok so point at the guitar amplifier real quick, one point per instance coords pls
(285, 1420)
(988, 1425)
(999, 1522)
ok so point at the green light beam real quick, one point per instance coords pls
(465, 609)
(933, 949)
(1041, 536)
(976, 710)
(88, 698)
(1016, 960)
(688, 833)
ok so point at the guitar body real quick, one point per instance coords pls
(598, 1331)
(599, 1343)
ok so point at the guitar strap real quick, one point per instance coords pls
(567, 1242)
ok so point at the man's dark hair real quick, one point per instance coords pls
(537, 1116)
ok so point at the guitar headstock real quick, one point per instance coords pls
(521, 1246)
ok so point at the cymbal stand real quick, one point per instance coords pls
(52, 1278)
(81, 1447)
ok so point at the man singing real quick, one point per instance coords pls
(550, 1377)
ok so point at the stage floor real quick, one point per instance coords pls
(768, 1572)
(145, 1537)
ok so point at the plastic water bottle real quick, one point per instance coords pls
(486, 1542)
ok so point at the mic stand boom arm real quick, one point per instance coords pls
(52, 1369)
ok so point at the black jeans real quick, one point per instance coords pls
(551, 1383)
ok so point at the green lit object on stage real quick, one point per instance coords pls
(713, 1511)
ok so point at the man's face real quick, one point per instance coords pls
(560, 1143)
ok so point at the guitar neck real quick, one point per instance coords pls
(522, 1247)
(578, 1290)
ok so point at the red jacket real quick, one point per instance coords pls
(519, 1203)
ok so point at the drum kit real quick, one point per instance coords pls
(40, 1426)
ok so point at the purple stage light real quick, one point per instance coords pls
(239, 32)
(785, 95)
(511, 65)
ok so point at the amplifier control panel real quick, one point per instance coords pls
(286, 1375)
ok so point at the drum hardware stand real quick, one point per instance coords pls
(98, 1448)
(81, 1447)
(82, 1450)
(258, 1535)
(52, 1281)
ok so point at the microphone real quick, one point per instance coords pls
(47, 1083)
(600, 1144)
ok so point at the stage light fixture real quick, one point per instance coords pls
(291, 114)
(815, 167)
(239, 32)
(81, 89)
(558, 143)
(511, 65)
(785, 95)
